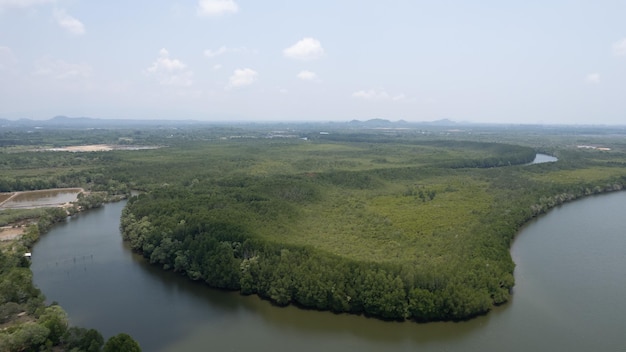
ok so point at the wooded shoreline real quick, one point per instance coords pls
(403, 226)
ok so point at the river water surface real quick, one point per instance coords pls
(570, 285)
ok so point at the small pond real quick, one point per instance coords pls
(543, 158)
(44, 198)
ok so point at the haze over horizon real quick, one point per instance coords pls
(221, 60)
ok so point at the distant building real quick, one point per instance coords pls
(593, 147)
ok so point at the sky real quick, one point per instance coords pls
(547, 62)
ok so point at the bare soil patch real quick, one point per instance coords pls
(99, 148)
(4, 197)
(8, 233)
(84, 148)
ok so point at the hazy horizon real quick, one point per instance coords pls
(245, 61)
(439, 122)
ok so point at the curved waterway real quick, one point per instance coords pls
(570, 284)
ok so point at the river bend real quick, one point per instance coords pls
(570, 284)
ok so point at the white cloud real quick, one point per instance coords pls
(619, 47)
(169, 71)
(7, 58)
(223, 50)
(6, 4)
(60, 69)
(307, 76)
(242, 77)
(210, 53)
(217, 67)
(164, 63)
(372, 94)
(306, 49)
(213, 8)
(68, 22)
(593, 78)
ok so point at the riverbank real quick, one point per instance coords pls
(90, 290)
(26, 323)
(65, 198)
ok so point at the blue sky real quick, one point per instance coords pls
(242, 60)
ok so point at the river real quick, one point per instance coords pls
(570, 284)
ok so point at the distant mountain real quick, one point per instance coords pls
(378, 122)
(65, 122)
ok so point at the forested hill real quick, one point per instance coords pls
(398, 229)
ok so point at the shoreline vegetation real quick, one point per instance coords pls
(398, 224)
(26, 322)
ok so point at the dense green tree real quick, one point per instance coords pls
(83, 340)
(16, 286)
(121, 343)
(55, 319)
(423, 305)
(28, 337)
